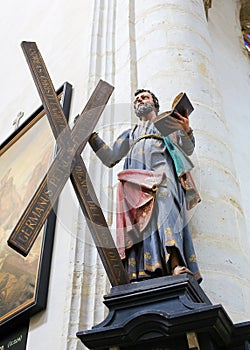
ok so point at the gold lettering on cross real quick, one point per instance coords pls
(68, 163)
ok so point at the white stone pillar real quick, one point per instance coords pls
(175, 53)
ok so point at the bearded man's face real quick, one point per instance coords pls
(143, 104)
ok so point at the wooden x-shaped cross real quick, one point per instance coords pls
(68, 163)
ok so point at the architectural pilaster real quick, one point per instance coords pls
(90, 281)
(112, 57)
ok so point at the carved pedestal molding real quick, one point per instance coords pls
(164, 313)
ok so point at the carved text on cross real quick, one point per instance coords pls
(68, 162)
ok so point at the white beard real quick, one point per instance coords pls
(144, 109)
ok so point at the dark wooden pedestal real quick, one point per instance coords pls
(167, 313)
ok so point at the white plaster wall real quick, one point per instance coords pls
(61, 30)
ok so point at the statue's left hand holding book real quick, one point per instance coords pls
(166, 121)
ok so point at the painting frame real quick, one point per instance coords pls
(40, 284)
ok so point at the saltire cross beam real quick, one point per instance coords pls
(67, 163)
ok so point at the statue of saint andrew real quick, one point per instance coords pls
(154, 192)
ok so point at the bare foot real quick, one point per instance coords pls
(181, 269)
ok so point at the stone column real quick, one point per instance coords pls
(175, 53)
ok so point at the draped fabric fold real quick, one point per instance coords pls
(135, 201)
(181, 161)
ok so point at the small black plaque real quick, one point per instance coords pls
(14, 337)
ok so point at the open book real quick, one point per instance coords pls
(166, 121)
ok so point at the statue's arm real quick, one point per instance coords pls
(186, 141)
(110, 155)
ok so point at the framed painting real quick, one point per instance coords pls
(24, 159)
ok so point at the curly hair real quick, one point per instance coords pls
(155, 99)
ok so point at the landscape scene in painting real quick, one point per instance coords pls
(23, 163)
